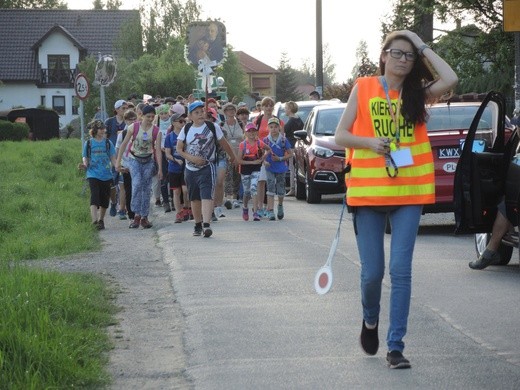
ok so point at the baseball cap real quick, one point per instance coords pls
(228, 106)
(118, 104)
(251, 127)
(274, 120)
(194, 105)
(176, 116)
(178, 108)
(163, 109)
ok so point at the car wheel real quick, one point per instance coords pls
(481, 241)
(312, 195)
(299, 186)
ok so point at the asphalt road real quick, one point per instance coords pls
(253, 321)
(239, 310)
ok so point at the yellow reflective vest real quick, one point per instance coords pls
(368, 183)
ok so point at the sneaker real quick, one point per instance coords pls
(271, 215)
(486, 259)
(158, 202)
(280, 211)
(245, 214)
(214, 217)
(113, 210)
(396, 359)
(101, 225)
(122, 215)
(236, 204)
(179, 217)
(197, 231)
(256, 217)
(369, 339)
(228, 204)
(145, 223)
(261, 213)
(167, 208)
(220, 213)
(136, 222)
(208, 232)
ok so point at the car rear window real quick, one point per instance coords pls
(327, 121)
(457, 118)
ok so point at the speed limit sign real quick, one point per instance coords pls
(81, 86)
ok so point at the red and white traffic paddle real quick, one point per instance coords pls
(323, 279)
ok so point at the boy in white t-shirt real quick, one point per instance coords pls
(197, 145)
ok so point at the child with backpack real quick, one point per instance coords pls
(197, 144)
(176, 168)
(145, 162)
(98, 155)
(276, 167)
(251, 155)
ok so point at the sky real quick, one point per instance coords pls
(265, 29)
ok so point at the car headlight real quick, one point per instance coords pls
(323, 152)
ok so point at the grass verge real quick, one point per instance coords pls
(53, 327)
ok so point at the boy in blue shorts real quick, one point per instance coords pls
(197, 144)
(276, 167)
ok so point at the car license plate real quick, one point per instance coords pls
(448, 152)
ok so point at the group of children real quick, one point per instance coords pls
(189, 154)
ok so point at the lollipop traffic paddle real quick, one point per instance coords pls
(323, 279)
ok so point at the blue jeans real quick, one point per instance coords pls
(370, 227)
(141, 186)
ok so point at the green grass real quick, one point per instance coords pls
(53, 325)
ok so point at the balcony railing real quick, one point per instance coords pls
(57, 77)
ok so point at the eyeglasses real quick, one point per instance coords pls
(181, 121)
(398, 54)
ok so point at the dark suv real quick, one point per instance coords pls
(319, 162)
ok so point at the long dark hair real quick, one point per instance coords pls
(415, 83)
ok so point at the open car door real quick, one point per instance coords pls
(481, 172)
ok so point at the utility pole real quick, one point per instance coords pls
(517, 71)
(319, 50)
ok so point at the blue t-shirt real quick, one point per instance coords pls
(99, 166)
(278, 148)
(171, 143)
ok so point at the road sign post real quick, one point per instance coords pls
(82, 89)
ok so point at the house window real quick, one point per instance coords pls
(58, 104)
(59, 68)
(74, 106)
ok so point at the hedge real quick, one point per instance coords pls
(13, 131)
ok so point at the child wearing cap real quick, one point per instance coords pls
(197, 144)
(276, 167)
(251, 155)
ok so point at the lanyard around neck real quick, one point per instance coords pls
(394, 115)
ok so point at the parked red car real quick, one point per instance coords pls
(319, 162)
(448, 126)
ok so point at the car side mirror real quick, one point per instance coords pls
(301, 135)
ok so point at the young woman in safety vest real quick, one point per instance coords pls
(392, 174)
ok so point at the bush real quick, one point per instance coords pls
(13, 131)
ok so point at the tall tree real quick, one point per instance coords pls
(481, 53)
(363, 67)
(43, 4)
(286, 85)
(164, 19)
(110, 4)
